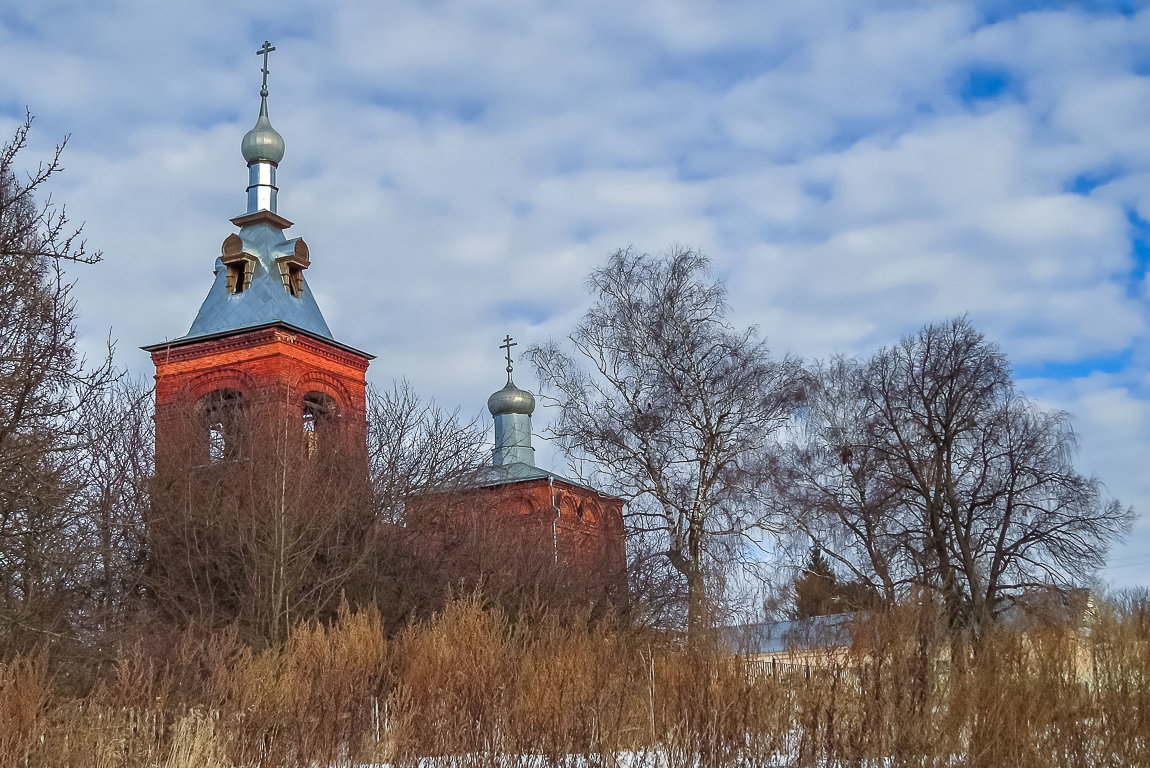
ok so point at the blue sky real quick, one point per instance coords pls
(854, 171)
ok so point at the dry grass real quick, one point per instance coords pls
(24, 697)
(473, 686)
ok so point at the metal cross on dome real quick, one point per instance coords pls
(508, 344)
(264, 51)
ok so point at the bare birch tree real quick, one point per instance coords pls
(668, 405)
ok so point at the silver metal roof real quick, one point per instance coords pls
(511, 400)
(832, 631)
(517, 472)
(266, 300)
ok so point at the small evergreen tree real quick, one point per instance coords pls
(818, 591)
(816, 588)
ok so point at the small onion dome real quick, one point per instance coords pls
(511, 399)
(263, 142)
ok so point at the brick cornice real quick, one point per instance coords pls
(566, 486)
(330, 351)
(183, 351)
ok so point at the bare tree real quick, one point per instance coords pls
(416, 447)
(836, 490)
(266, 534)
(116, 468)
(45, 389)
(675, 410)
(925, 467)
(271, 529)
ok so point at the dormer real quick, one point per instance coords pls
(240, 265)
(292, 266)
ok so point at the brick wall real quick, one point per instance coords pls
(529, 525)
(273, 368)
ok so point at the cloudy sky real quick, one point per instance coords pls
(854, 170)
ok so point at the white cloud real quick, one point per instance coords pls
(457, 168)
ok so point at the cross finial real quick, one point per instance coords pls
(264, 51)
(508, 344)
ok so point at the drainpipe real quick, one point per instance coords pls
(554, 522)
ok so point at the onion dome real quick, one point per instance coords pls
(512, 407)
(511, 400)
(263, 142)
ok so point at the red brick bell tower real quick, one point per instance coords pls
(261, 493)
(259, 353)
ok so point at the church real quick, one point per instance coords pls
(260, 368)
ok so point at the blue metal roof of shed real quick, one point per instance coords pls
(778, 636)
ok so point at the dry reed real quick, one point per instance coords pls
(471, 686)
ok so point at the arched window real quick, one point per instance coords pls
(319, 413)
(588, 511)
(221, 412)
